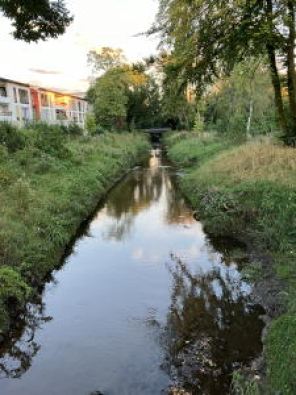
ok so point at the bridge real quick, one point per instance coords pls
(158, 131)
(156, 134)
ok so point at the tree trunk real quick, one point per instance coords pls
(275, 78)
(250, 119)
(291, 76)
(276, 82)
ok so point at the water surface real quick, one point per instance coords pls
(144, 301)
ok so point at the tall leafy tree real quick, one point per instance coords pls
(109, 99)
(105, 59)
(35, 20)
(208, 37)
(124, 95)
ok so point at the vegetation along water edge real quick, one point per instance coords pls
(247, 190)
(51, 178)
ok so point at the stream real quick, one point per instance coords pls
(145, 300)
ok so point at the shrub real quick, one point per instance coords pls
(12, 286)
(51, 139)
(10, 137)
(90, 122)
(73, 129)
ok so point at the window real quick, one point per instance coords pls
(25, 113)
(61, 100)
(15, 95)
(24, 96)
(45, 114)
(3, 92)
(44, 100)
(61, 115)
(4, 110)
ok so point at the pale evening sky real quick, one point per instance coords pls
(62, 63)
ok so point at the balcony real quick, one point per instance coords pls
(4, 99)
(6, 116)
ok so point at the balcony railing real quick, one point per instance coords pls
(4, 99)
(5, 116)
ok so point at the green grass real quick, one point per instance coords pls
(47, 188)
(250, 190)
(243, 386)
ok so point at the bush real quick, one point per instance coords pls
(51, 139)
(11, 137)
(90, 123)
(99, 130)
(73, 129)
(12, 286)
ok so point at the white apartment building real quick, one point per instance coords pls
(21, 103)
(15, 102)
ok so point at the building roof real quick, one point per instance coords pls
(60, 93)
(42, 89)
(14, 82)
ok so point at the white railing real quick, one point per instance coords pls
(4, 99)
(6, 116)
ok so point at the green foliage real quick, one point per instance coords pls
(125, 97)
(90, 123)
(206, 39)
(193, 149)
(73, 129)
(106, 59)
(36, 19)
(242, 105)
(111, 100)
(281, 351)
(177, 109)
(12, 286)
(47, 190)
(144, 105)
(11, 137)
(241, 385)
(199, 123)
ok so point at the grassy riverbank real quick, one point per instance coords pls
(250, 190)
(49, 183)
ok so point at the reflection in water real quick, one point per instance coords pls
(145, 187)
(208, 327)
(129, 199)
(145, 300)
(18, 354)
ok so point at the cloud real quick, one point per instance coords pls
(47, 72)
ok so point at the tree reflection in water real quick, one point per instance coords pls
(211, 328)
(140, 190)
(17, 356)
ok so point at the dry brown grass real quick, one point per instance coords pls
(255, 161)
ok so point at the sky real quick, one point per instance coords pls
(62, 63)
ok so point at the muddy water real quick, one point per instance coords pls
(144, 301)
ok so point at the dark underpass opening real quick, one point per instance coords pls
(156, 135)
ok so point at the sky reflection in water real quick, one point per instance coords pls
(143, 295)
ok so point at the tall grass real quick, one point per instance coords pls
(48, 185)
(251, 190)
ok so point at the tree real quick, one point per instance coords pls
(109, 100)
(207, 38)
(106, 59)
(241, 105)
(35, 20)
(124, 95)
